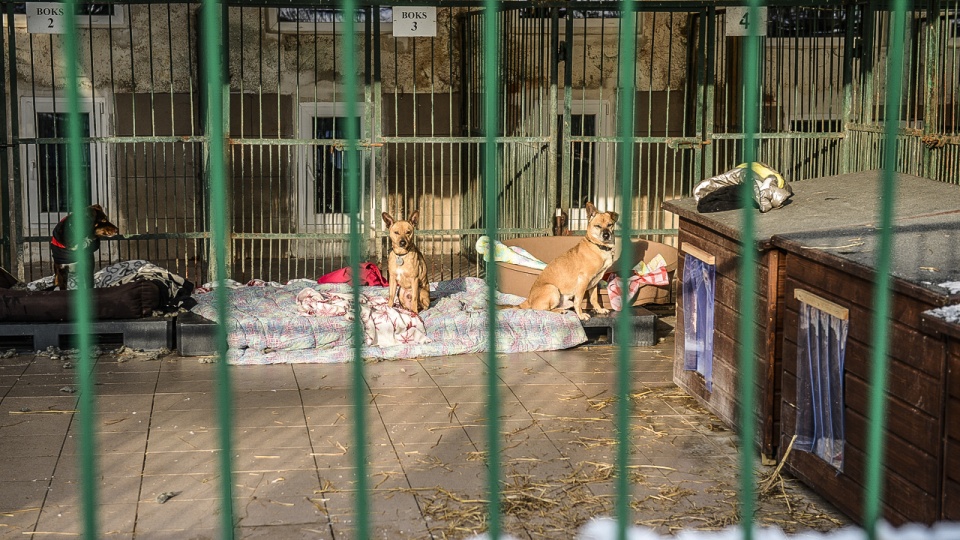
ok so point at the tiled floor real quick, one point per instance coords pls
(292, 459)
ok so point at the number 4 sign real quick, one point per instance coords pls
(739, 23)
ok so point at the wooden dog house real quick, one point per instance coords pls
(822, 243)
(837, 265)
(941, 325)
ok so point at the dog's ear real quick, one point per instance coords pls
(614, 216)
(388, 219)
(97, 207)
(414, 217)
(591, 210)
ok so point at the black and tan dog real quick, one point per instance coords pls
(406, 268)
(576, 274)
(65, 255)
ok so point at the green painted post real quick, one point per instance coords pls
(873, 485)
(627, 76)
(83, 299)
(748, 273)
(212, 35)
(348, 52)
(491, 81)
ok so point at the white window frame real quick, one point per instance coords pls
(102, 185)
(604, 156)
(286, 27)
(117, 21)
(309, 220)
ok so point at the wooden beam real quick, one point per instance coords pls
(822, 304)
(698, 253)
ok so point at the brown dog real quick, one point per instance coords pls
(574, 275)
(65, 255)
(406, 268)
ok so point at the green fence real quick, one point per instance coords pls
(420, 106)
(848, 127)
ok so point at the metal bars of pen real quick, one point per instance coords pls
(214, 94)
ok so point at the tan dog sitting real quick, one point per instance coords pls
(407, 270)
(576, 274)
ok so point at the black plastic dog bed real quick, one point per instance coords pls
(39, 319)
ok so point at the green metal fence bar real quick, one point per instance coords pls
(748, 272)
(490, 179)
(625, 109)
(83, 296)
(213, 89)
(348, 50)
(873, 485)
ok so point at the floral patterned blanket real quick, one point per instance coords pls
(268, 325)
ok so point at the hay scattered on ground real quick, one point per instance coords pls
(544, 503)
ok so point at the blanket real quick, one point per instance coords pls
(383, 325)
(509, 254)
(174, 289)
(267, 325)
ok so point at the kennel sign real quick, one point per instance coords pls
(46, 18)
(739, 21)
(415, 21)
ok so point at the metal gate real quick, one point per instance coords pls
(559, 101)
(420, 109)
(823, 72)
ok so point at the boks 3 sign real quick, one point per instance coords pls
(414, 22)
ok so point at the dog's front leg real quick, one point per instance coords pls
(578, 296)
(595, 301)
(415, 297)
(392, 295)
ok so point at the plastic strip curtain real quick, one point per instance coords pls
(821, 347)
(699, 281)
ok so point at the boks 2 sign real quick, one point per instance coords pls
(46, 18)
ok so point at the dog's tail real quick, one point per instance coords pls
(511, 306)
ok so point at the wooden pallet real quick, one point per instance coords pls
(196, 335)
(643, 325)
(149, 333)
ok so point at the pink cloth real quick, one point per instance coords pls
(369, 275)
(614, 288)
